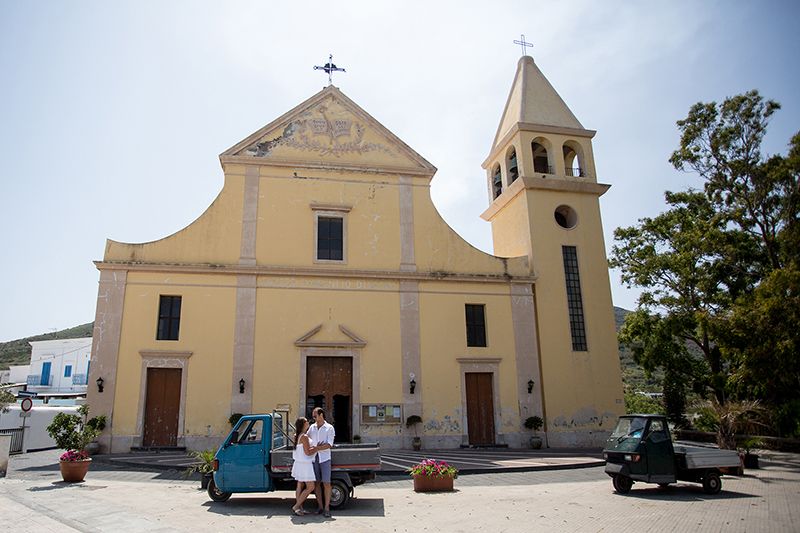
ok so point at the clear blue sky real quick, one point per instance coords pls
(113, 113)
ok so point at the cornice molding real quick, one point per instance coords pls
(543, 184)
(311, 272)
(166, 354)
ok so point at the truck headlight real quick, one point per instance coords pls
(633, 458)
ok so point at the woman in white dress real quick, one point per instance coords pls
(303, 467)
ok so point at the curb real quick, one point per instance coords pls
(381, 473)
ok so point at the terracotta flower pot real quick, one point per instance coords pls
(433, 483)
(72, 471)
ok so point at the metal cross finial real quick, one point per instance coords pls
(523, 43)
(330, 68)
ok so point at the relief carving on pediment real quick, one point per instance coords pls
(316, 131)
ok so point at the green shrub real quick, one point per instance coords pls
(640, 404)
(72, 432)
(706, 420)
(534, 422)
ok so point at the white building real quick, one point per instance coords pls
(59, 366)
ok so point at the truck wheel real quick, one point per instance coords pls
(712, 484)
(340, 494)
(622, 484)
(215, 494)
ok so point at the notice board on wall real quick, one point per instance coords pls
(381, 413)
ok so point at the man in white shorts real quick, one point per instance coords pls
(322, 435)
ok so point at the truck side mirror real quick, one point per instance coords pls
(234, 438)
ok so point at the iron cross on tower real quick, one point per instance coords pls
(523, 43)
(330, 68)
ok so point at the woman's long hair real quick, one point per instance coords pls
(299, 425)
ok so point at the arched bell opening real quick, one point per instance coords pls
(541, 157)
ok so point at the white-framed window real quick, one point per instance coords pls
(330, 233)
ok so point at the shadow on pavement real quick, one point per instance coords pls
(683, 493)
(55, 485)
(269, 507)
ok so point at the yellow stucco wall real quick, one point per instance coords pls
(285, 231)
(207, 330)
(215, 237)
(438, 248)
(288, 308)
(443, 340)
(581, 389)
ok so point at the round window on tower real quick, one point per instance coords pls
(565, 216)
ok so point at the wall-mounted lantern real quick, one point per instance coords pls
(412, 384)
(530, 386)
(241, 386)
(99, 384)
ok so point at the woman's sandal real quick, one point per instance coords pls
(298, 512)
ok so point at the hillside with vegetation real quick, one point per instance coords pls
(633, 375)
(18, 352)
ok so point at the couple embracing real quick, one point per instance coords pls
(312, 461)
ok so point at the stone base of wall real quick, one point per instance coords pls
(576, 439)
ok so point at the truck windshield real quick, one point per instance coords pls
(629, 428)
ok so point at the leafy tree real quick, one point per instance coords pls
(6, 399)
(675, 258)
(719, 268)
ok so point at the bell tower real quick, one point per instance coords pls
(544, 204)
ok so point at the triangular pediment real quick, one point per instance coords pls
(311, 339)
(329, 130)
(533, 101)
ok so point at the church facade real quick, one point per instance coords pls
(322, 274)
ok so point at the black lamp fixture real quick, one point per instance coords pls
(99, 384)
(530, 386)
(412, 384)
(241, 386)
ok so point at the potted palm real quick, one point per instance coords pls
(204, 464)
(412, 421)
(535, 423)
(431, 475)
(746, 446)
(72, 433)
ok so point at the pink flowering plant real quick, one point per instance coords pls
(73, 455)
(432, 467)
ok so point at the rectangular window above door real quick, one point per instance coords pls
(169, 318)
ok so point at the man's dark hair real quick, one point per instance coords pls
(319, 410)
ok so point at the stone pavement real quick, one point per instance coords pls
(119, 499)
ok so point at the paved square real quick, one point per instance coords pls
(112, 499)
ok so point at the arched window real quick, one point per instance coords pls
(573, 159)
(497, 182)
(513, 171)
(541, 163)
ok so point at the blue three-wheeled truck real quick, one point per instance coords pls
(257, 457)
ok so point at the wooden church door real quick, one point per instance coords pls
(162, 407)
(329, 384)
(480, 407)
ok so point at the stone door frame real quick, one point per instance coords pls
(319, 351)
(163, 359)
(488, 365)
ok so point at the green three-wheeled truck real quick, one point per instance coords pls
(641, 449)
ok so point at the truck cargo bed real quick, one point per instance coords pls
(344, 457)
(699, 458)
